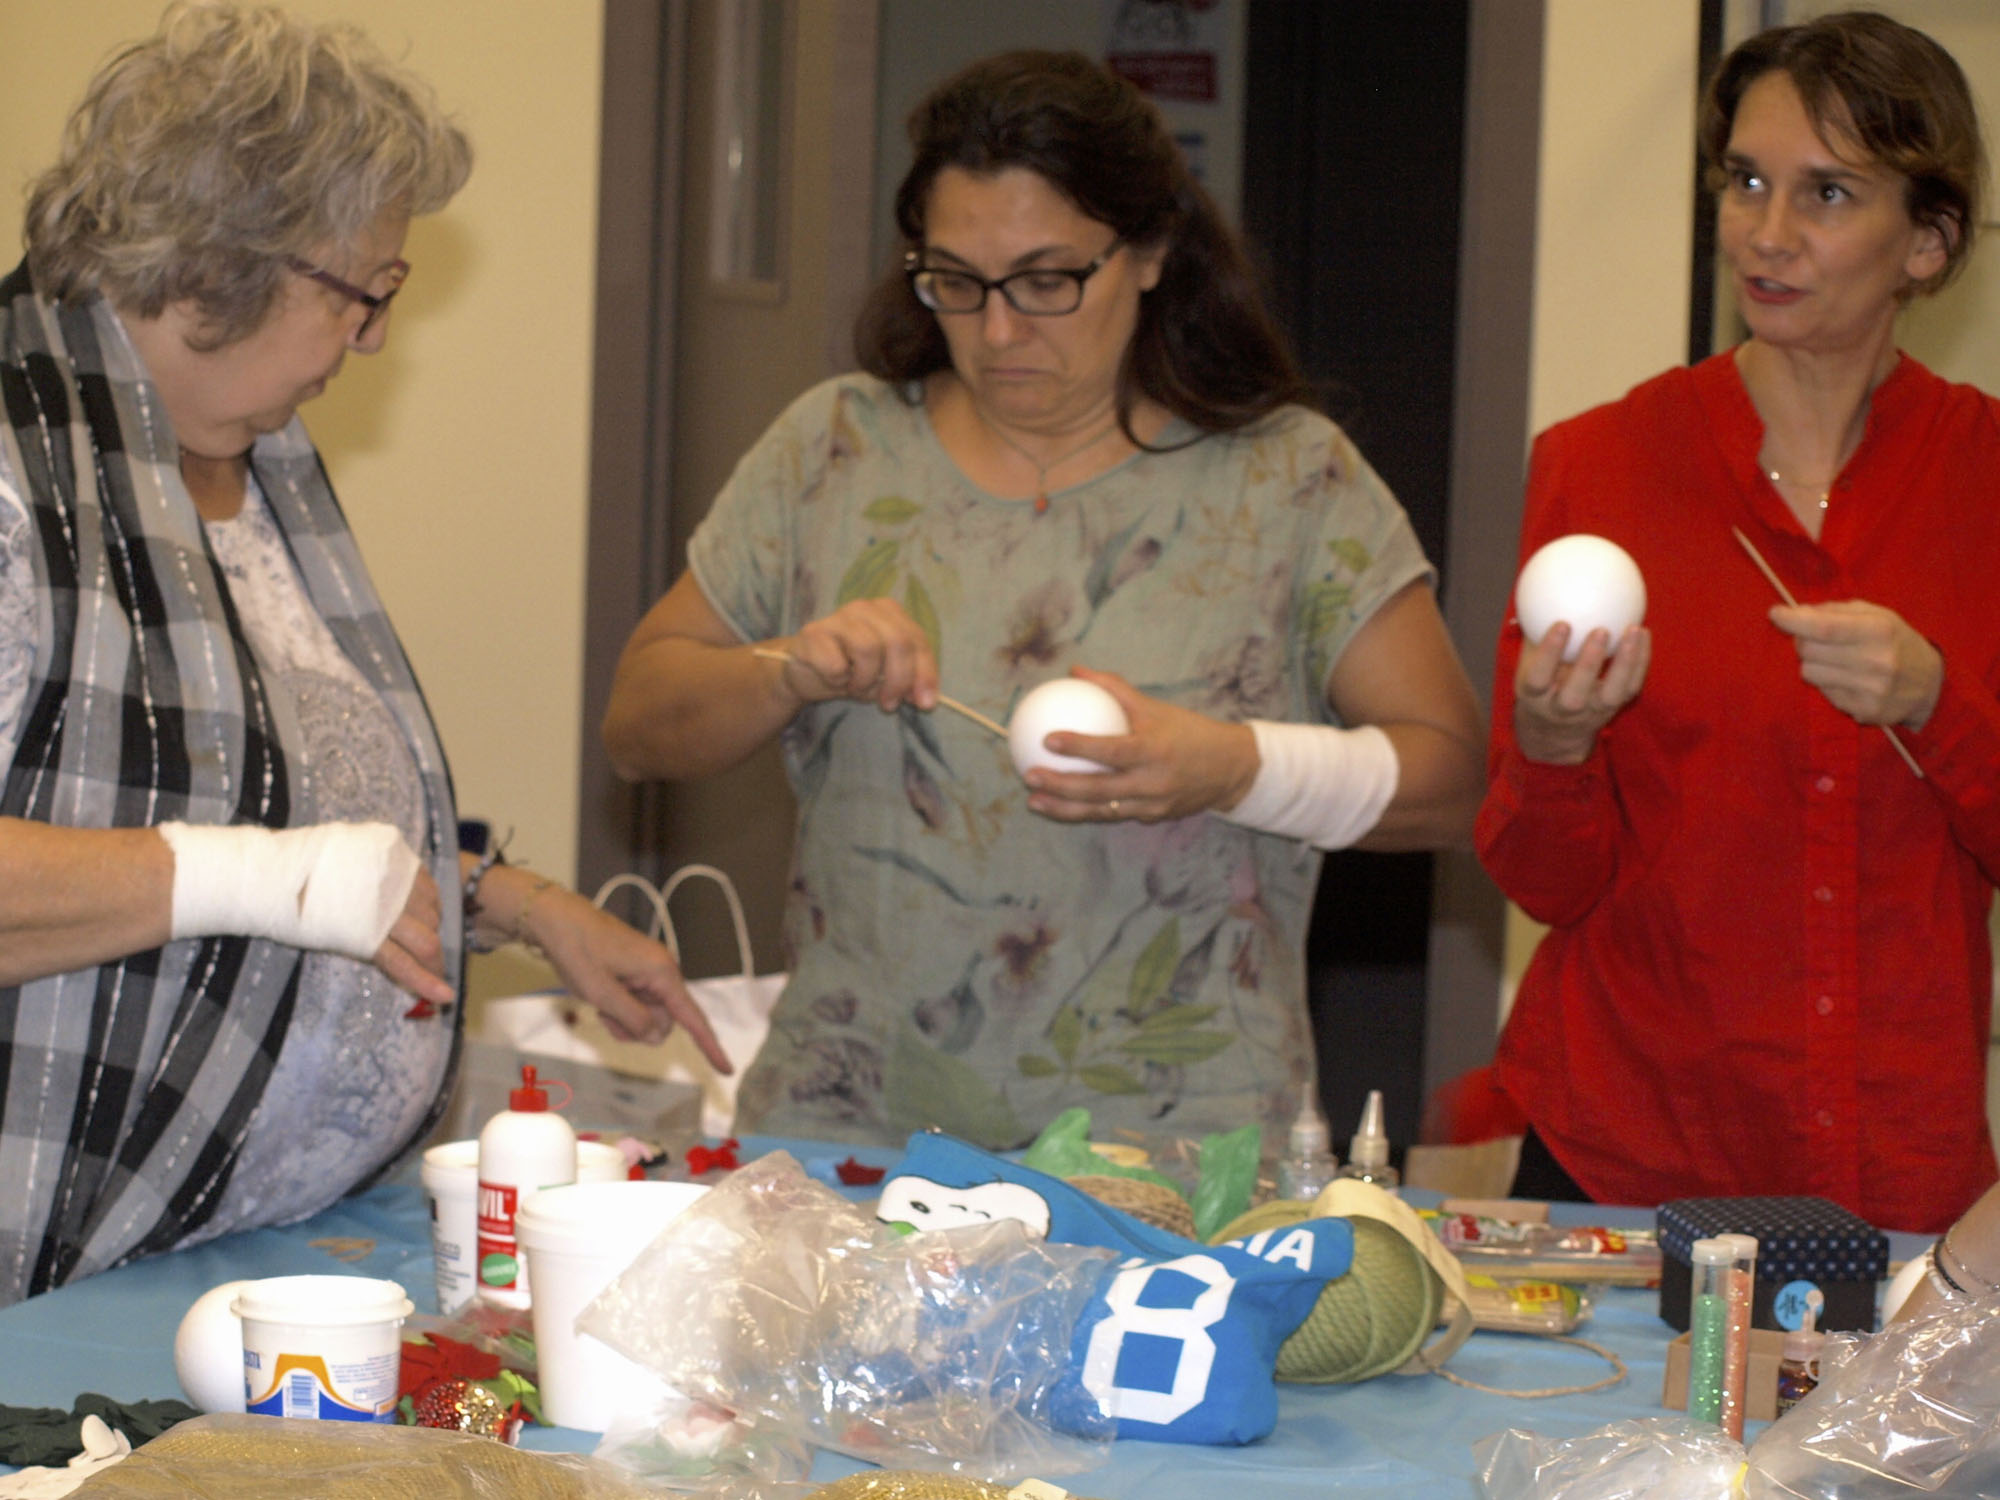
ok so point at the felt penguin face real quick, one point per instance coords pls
(917, 1203)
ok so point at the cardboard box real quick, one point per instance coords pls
(1760, 1384)
(1802, 1244)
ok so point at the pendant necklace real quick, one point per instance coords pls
(1824, 487)
(1041, 468)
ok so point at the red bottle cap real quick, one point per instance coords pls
(528, 1098)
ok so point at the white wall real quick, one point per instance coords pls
(461, 452)
(1613, 224)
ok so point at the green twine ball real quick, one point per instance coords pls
(1365, 1323)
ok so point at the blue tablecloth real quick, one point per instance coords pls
(1396, 1436)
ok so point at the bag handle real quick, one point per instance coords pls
(663, 926)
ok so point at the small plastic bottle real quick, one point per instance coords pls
(1308, 1163)
(1798, 1373)
(1368, 1151)
(523, 1149)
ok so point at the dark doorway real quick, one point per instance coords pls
(1353, 152)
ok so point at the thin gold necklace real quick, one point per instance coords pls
(1041, 468)
(1823, 486)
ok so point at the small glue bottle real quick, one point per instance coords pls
(1308, 1163)
(523, 1149)
(1368, 1151)
(1798, 1374)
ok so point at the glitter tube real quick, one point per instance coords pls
(1711, 1262)
(1741, 1285)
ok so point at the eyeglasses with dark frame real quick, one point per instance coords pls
(1038, 292)
(399, 271)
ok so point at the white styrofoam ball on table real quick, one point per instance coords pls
(1067, 703)
(1588, 581)
(208, 1350)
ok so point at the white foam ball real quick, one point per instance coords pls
(1067, 703)
(208, 1350)
(1586, 580)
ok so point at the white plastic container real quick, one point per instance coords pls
(322, 1347)
(578, 1240)
(450, 1176)
(523, 1149)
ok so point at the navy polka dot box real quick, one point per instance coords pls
(1802, 1244)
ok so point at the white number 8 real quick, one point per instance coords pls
(1184, 1325)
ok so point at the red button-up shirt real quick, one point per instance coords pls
(1768, 969)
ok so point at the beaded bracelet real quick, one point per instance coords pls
(496, 854)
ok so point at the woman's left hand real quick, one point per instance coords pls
(631, 981)
(1868, 661)
(1173, 763)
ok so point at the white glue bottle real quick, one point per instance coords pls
(1368, 1151)
(523, 1149)
(1308, 1163)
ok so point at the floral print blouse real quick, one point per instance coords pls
(956, 960)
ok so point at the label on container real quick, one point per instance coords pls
(312, 1387)
(499, 1251)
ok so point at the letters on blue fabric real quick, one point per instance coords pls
(1180, 1344)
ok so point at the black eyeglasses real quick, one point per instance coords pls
(1039, 292)
(398, 271)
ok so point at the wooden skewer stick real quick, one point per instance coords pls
(1785, 594)
(989, 725)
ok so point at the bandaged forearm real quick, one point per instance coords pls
(333, 887)
(1325, 786)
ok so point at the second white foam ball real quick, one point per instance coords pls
(208, 1350)
(1067, 703)
(1589, 581)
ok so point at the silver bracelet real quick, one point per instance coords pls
(1939, 1279)
(1961, 1272)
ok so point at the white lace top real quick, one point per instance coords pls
(353, 1079)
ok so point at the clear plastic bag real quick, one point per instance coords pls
(1661, 1458)
(694, 1446)
(777, 1298)
(1912, 1410)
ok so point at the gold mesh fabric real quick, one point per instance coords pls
(230, 1457)
(897, 1485)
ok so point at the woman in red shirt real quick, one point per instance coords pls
(1768, 969)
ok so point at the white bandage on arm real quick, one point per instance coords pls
(1323, 785)
(333, 887)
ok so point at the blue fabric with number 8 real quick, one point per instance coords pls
(1180, 1344)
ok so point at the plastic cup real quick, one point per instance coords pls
(322, 1347)
(450, 1176)
(577, 1240)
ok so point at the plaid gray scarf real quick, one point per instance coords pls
(125, 1090)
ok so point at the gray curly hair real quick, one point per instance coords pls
(204, 155)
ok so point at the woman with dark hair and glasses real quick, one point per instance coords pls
(232, 903)
(1765, 836)
(1079, 447)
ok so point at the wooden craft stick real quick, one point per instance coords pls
(1785, 594)
(990, 726)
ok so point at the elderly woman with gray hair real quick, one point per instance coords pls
(232, 904)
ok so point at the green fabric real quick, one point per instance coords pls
(1228, 1179)
(48, 1437)
(1063, 1150)
(957, 961)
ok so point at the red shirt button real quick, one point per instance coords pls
(1824, 1005)
(1824, 1119)
(1825, 783)
(1823, 894)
